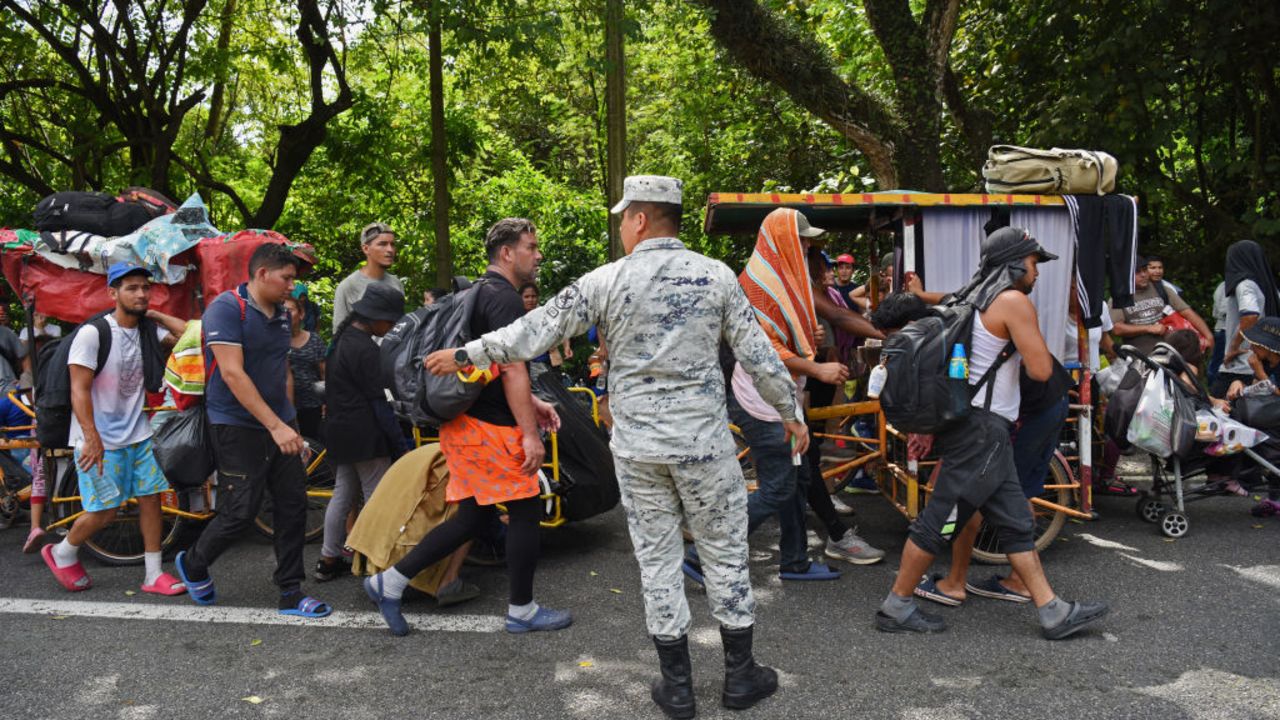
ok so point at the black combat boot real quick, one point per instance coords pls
(674, 692)
(745, 682)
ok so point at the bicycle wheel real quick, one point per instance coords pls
(320, 479)
(986, 548)
(744, 458)
(120, 542)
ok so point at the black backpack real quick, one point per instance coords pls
(423, 398)
(53, 379)
(91, 212)
(919, 396)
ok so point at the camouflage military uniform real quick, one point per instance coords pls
(664, 311)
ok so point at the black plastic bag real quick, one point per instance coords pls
(182, 448)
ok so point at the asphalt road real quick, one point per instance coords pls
(1193, 634)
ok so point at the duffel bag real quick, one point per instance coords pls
(1013, 169)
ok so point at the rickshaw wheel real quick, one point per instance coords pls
(1174, 524)
(1150, 509)
(986, 548)
(120, 542)
(321, 478)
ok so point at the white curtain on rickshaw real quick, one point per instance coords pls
(952, 239)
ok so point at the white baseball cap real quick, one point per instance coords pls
(649, 188)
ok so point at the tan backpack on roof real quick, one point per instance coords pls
(1013, 169)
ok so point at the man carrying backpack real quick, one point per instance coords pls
(978, 471)
(665, 311)
(252, 421)
(494, 451)
(110, 432)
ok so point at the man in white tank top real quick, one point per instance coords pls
(978, 471)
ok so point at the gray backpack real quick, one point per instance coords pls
(1013, 169)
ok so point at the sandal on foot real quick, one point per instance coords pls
(927, 588)
(994, 589)
(73, 577)
(308, 607)
(1114, 488)
(166, 584)
(203, 592)
(389, 607)
(815, 571)
(36, 539)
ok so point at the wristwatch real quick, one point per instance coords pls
(461, 358)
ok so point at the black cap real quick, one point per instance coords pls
(380, 302)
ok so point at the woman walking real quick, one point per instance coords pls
(361, 434)
(306, 360)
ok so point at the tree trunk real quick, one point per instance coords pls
(439, 149)
(616, 110)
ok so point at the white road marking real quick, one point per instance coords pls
(1104, 543)
(1264, 574)
(1208, 694)
(1154, 564)
(243, 616)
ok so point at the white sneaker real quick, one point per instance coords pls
(842, 508)
(853, 549)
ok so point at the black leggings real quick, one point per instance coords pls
(522, 542)
(820, 395)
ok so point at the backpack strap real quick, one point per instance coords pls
(988, 378)
(213, 364)
(104, 340)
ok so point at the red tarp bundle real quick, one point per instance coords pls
(74, 296)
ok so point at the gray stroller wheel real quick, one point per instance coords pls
(1174, 524)
(1150, 509)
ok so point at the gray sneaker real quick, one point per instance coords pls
(853, 549)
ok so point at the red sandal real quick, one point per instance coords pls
(72, 577)
(166, 584)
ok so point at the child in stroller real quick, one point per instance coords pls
(1226, 451)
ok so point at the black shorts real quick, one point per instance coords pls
(978, 473)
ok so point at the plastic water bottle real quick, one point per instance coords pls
(875, 383)
(959, 367)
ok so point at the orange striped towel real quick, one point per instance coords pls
(776, 281)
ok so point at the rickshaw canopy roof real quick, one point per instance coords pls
(742, 213)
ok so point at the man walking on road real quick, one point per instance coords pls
(665, 311)
(378, 242)
(110, 432)
(252, 422)
(493, 451)
(978, 471)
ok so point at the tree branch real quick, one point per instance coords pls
(781, 55)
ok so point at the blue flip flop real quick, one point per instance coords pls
(389, 608)
(994, 589)
(203, 592)
(928, 589)
(815, 571)
(308, 607)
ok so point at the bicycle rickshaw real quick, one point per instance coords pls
(936, 236)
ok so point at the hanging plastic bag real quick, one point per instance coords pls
(182, 448)
(1108, 378)
(1153, 417)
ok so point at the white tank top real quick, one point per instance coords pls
(1006, 395)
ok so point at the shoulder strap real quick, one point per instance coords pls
(213, 363)
(989, 376)
(1161, 291)
(104, 340)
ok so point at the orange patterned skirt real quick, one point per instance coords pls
(484, 462)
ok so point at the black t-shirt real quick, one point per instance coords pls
(352, 433)
(498, 304)
(844, 291)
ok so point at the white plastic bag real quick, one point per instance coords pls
(1109, 377)
(1153, 418)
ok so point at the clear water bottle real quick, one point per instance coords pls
(959, 366)
(875, 382)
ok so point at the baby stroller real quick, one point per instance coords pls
(1154, 407)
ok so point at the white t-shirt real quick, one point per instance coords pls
(1247, 300)
(49, 331)
(1071, 351)
(117, 392)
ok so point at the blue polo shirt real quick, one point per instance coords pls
(265, 342)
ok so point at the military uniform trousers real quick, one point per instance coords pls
(712, 497)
